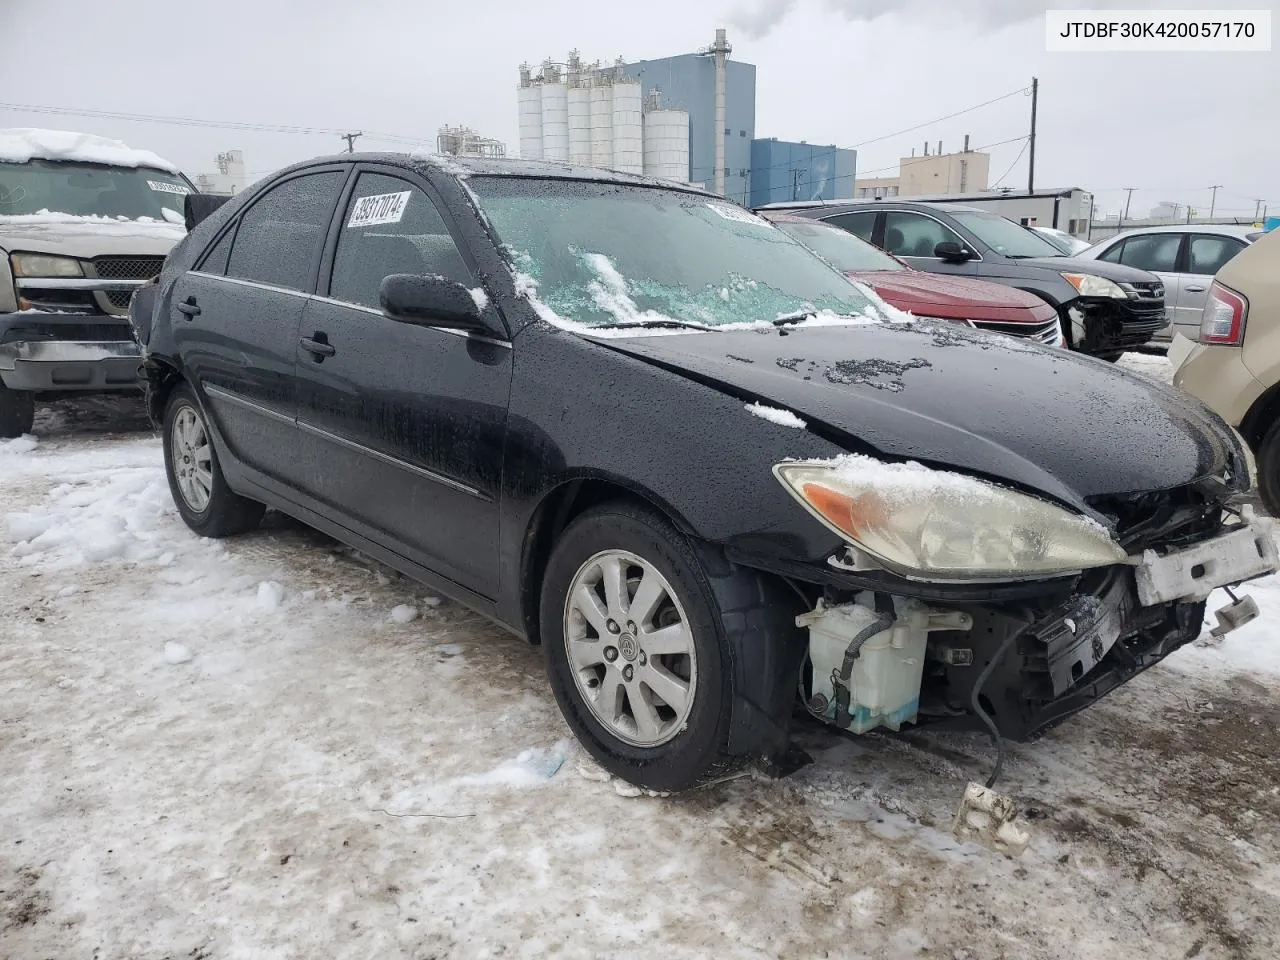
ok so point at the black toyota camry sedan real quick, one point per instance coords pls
(718, 482)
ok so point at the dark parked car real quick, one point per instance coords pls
(987, 306)
(646, 428)
(1106, 308)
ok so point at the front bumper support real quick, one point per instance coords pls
(70, 365)
(1194, 572)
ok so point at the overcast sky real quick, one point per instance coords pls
(828, 71)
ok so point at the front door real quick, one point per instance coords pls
(235, 318)
(402, 425)
(912, 237)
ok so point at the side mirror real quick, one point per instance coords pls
(952, 252)
(429, 301)
(198, 206)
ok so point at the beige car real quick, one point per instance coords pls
(1235, 366)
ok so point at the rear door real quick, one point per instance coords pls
(236, 317)
(1205, 255)
(402, 425)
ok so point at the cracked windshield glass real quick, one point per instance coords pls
(608, 254)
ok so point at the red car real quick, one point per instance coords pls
(991, 306)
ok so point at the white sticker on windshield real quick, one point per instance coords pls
(163, 186)
(380, 208)
(738, 214)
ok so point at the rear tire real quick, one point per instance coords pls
(17, 412)
(200, 492)
(1268, 457)
(675, 734)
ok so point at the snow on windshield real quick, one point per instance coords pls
(602, 254)
(21, 144)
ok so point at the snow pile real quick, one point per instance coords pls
(176, 653)
(270, 595)
(23, 444)
(404, 613)
(783, 418)
(480, 297)
(531, 768)
(20, 144)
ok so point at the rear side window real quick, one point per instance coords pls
(280, 236)
(1152, 251)
(859, 224)
(390, 226)
(1209, 254)
(215, 261)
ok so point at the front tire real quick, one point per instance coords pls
(1268, 457)
(17, 412)
(638, 652)
(200, 492)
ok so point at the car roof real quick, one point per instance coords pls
(1241, 230)
(464, 167)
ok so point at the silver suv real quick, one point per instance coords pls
(83, 222)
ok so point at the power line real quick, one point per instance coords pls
(198, 122)
(1014, 164)
(928, 123)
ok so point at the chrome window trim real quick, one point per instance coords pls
(976, 258)
(224, 394)
(257, 285)
(394, 461)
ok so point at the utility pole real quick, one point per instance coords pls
(351, 139)
(1257, 205)
(1213, 202)
(1125, 216)
(1031, 166)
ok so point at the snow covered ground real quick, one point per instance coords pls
(271, 747)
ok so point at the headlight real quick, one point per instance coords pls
(43, 265)
(1088, 285)
(933, 524)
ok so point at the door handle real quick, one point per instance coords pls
(189, 308)
(1195, 289)
(318, 346)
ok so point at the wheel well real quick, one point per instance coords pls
(557, 510)
(1264, 412)
(160, 377)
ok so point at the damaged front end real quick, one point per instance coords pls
(890, 645)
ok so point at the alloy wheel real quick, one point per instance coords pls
(192, 459)
(630, 648)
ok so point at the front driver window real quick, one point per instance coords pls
(390, 226)
(912, 235)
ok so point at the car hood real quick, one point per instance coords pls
(916, 286)
(87, 237)
(1067, 426)
(1100, 268)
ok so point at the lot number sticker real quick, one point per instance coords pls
(380, 208)
(163, 186)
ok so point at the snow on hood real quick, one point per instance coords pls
(20, 144)
(88, 236)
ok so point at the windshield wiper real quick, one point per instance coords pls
(798, 316)
(668, 324)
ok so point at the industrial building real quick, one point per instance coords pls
(230, 178)
(465, 142)
(781, 170)
(931, 173)
(689, 117)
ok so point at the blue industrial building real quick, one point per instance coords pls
(688, 82)
(782, 171)
(756, 171)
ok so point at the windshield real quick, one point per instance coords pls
(606, 254)
(840, 247)
(1005, 236)
(90, 189)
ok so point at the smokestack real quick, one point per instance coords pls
(939, 148)
(720, 50)
(966, 143)
(926, 148)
